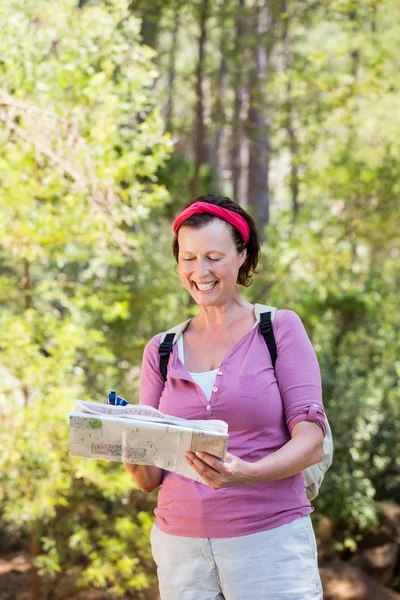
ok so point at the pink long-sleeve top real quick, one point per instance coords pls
(261, 406)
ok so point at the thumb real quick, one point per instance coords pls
(229, 457)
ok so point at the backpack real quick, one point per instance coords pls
(313, 475)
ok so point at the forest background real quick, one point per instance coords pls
(113, 116)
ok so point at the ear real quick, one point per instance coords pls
(243, 256)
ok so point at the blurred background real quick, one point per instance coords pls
(113, 116)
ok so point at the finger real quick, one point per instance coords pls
(211, 481)
(214, 462)
(198, 463)
(201, 467)
(209, 478)
(189, 454)
(204, 469)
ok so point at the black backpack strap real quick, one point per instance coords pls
(268, 335)
(164, 350)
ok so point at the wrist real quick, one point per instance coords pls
(253, 473)
(259, 471)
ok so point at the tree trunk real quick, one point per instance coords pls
(218, 113)
(290, 116)
(149, 28)
(239, 91)
(200, 144)
(150, 14)
(258, 193)
(172, 72)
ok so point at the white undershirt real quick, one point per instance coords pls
(206, 379)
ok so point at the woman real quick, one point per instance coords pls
(248, 533)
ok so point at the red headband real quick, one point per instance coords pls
(223, 213)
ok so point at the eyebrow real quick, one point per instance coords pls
(208, 252)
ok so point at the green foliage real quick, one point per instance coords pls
(347, 298)
(80, 510)
(88, 188)
(82, 144)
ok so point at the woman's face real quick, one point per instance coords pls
(209, 263)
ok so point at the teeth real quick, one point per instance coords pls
(204, 287)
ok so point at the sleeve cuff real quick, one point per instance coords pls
(313, 413)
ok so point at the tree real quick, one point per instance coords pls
(200, 139)
(258, 130)
(82, 143)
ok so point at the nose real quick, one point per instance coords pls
(201, 269)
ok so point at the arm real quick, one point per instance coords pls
(298, 374)
(146, 477)
(299, 380)
(303, 450)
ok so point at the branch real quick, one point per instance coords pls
(101, 202)
(18, 105)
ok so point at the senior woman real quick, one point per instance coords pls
(248, 533)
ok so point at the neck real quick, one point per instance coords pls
(214, 317)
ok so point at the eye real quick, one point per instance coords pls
(214, 259)
(187, 259)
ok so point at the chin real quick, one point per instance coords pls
(207, 301)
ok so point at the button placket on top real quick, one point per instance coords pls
(208, 407)
(217, 388)
(181, 372)
(222, 368)
(178, 370)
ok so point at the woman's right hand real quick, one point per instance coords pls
(146, 477)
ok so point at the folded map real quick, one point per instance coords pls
(143, 435)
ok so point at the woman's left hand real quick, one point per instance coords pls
(217, 474)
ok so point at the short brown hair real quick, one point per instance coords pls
(253, 245)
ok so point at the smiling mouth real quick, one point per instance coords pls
(205, 287)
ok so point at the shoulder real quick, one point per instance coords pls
(287, 322)
(287, 317)
(290, 332)
(152, 345)
(151, 348)
(283, 318)
(155, 341)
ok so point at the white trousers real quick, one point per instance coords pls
(277, 564)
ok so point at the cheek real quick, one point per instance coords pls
(224, 272)
(184, 271)
(230, 272)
